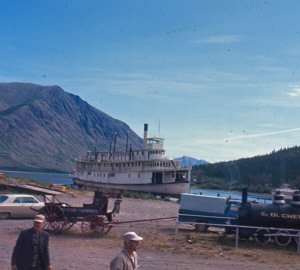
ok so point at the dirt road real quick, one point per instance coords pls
(73, 250)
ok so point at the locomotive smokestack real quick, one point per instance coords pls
(244, 195)
(145, 136)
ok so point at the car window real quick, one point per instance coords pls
(28, 200)
(3, 199)
(18, 200)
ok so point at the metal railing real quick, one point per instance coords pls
(280, 232)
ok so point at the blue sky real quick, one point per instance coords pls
(221, 77)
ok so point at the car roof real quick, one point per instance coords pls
(16, 195)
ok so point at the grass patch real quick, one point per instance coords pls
(143, 196)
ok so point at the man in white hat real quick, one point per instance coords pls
(31, 251)
(127, 258)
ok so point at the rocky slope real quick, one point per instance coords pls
(46, 128)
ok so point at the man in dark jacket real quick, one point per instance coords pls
(31, 251)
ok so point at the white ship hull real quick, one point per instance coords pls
(145, 170)
(162, 189)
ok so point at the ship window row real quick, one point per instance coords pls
(100, 174)
(121, 156)
(156, 152)
(103, 175)
(108, 174)
(128, 165)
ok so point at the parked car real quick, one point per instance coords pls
(19, 206)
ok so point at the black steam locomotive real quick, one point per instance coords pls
(279, 219)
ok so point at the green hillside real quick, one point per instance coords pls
(259, 174)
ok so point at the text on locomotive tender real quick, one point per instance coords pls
(277, 215)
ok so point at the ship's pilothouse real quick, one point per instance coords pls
(155, 148)
(155, 143)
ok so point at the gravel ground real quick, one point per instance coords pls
(73, 250)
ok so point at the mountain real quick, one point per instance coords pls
(186, 161)
(44, 128)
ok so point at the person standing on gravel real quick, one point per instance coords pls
(127, 258)
(31, 251)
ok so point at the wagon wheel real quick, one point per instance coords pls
(107, 225)
(92, 225)
(55, 218)
(282, 238)
(261, 236)
(69, 223)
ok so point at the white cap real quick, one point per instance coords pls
(131, 236)
(39, 218)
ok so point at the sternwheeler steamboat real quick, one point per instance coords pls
(145, 170)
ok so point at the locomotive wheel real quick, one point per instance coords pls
(55, 218)
(282, 238)
(297, 238)
(92, 225)
(261, 237)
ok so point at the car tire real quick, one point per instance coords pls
(4, 215)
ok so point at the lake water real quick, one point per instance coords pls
(54, 178)
(233, 194)
(59, 178)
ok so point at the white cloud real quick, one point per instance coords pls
(265, 134)
(220, 141)
(295, 92)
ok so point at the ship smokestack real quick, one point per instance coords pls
(115, 142)
(145, 136)
(127, 141)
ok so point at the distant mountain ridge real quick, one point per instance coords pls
(46, 128)
(186, 161)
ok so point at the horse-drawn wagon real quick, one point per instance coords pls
(95, 217)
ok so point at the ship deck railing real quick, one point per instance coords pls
(132, 169)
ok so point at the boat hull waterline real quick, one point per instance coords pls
(168, 188)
